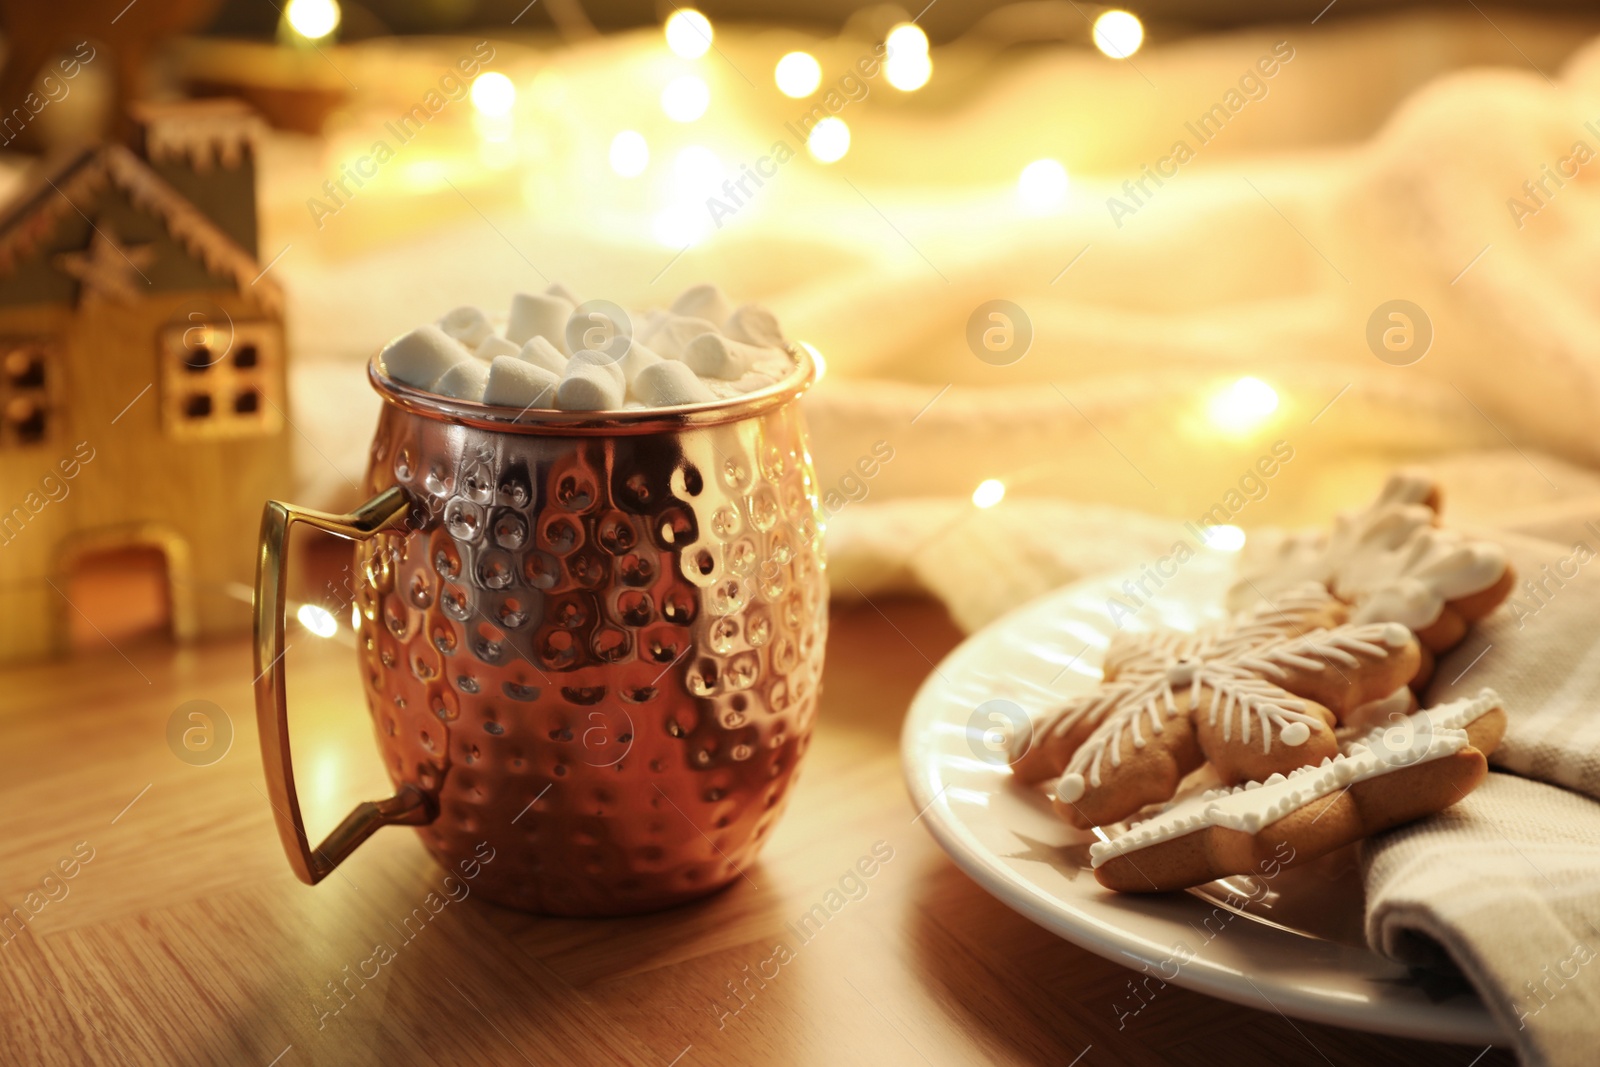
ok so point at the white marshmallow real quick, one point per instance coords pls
(715, 356)
(668, 383)
(517, 384)
(464, 381)
(589, 387)
(638, 358)
(495, 345)
(755, 325)
(669, 336)
(539, 315)
(588, 357)
(557, 289)
(541, 353)
(469, 325)
(703, 302)
(421, 357)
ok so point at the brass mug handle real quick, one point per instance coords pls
(409, 806)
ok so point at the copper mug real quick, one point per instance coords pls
(592, 640)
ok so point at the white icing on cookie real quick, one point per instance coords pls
(1426, 735)
(1390, 561)
(1243, 672)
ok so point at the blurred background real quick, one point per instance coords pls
(1080, 268)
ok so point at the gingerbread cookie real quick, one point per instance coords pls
(1249, 698)
(1391, 563)
(1429, 761)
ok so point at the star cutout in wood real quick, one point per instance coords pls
(107, 270)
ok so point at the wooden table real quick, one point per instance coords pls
(186, 940)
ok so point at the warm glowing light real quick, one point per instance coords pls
(629, 153)
(907, 39)
(685, 99)
(355, 617)
(1118, 34)
(689, 33)
(1225, 538)
(493, 94)
(1043, 185)
(908, 67)
(312, 19)
(798, 74)
(318, 620)
(829, 140)
(1243, 405)
(908, 71)
(989, 493)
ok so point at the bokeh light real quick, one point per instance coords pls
(1244, 405)
(318, 620)
(313, 19)
(908, 66)
(688, 33)
(1225, 538)
(630, 154)
(990, 492)
(798, 74)
(1118, 34)
(1042, 185)
(829, 140)
(907, 39)
(493, 94)
(685, 99)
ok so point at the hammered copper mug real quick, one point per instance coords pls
(592, 640)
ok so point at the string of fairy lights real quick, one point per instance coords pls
(685, 98)
(1238, 409)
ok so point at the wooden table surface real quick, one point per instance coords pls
(184, 939)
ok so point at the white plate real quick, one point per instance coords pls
(1297, 948)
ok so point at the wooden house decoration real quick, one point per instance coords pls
(142, 373)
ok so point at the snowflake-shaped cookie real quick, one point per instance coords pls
(1257, 696)
(1390, 562)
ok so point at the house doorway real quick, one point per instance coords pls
(121, 595)
(123, 587)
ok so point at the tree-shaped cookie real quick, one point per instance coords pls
(1391, 563)
(1258, 696)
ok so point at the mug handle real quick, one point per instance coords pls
(409, 806)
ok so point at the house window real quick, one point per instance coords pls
(221, 379)
(27, 365)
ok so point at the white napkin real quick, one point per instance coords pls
(1507, 882)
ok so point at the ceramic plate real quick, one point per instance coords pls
(1292, 943)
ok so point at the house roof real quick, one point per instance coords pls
(32, 218)
(201, 133)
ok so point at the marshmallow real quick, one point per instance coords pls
(703, 302)
(589, 387)
(638, 358)
(514, 383)
(557, 289)
(754, 324)
(421, 357)
(495, 345)
(464, 381)
(469, 325)
(668, 338)
(715, 356)
(588, 357)
(541, 353)
(539, 315)
(668, 383)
